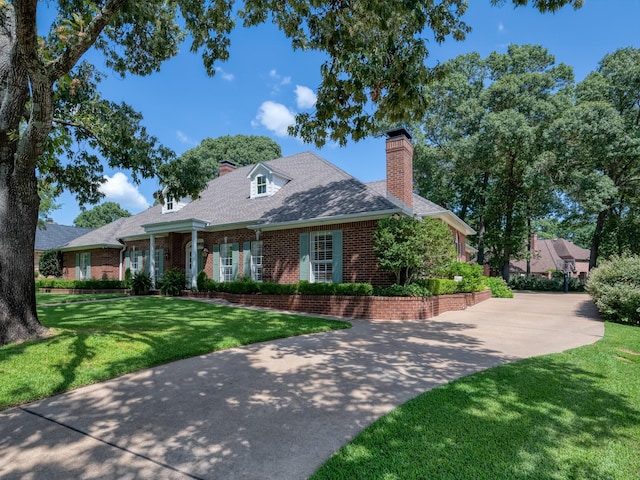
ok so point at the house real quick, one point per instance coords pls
(285, 220)
(554, 255)
(52, 236)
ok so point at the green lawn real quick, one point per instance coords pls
(44, 298)
(574, 415)
(96, 341)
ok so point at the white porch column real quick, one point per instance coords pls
(194, 259)
(152, 260)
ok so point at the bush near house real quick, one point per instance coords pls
(615, 288)
(173, 282)
(498, 287)
(471, 276)
(50, 263)
(80, 284)
(539, 284)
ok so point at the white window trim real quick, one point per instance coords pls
(226, 262)
(254, 264)
(326, 262)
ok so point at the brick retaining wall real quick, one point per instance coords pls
(375, 308)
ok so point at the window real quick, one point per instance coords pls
(322, 257)
(84, 266)
(134, 266)
(256, 261)
(226, 262)
(261, 185)
(169, 204)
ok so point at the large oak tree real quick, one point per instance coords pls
(374, 71)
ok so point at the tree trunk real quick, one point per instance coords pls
(18, 218)
(529, 251)
(597, 238)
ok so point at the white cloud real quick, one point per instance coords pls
(305, 98)
(275, 117)
(225, 75)
(120, 190)
(501, 27)
(184, 138)
(285, 81)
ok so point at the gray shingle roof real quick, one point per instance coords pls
(317, 189)
(550, 255)
(53, 235)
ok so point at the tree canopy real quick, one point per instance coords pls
(101, 215)
(55, 125)
(195, 167)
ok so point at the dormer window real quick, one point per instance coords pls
(169, 206)
(261, 184)
(265, 181)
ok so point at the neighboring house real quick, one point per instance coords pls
(52, 236)
(551, 255)
(290, 219)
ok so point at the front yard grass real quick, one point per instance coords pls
(97, 341)
(574, 415)
(43, 298)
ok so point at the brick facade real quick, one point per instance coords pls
(374, 308)
(399, 152)
(105, 264)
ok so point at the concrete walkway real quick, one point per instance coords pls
(276, 410)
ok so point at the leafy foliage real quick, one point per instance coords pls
(541, 284)
(409, 247)
(410, 290)
(141, 283)
(195, 167)
(81, 284)
(498, 287)
(615, 288)
(173, 282)
(50, 264)
(472, 279)
(101, 215)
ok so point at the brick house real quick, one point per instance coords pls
(290, 219)
(52, 236)
(554, 255)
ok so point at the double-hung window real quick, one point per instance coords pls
(226, 262)
(256, 261)
(322, 257)
(84, 264)
(261, 185)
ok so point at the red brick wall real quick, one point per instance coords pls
(400, 169)
(105, 263)
(374, 308)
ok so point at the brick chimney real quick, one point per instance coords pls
(226, 166)
(400, 166)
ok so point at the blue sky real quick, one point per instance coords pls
(264, 84)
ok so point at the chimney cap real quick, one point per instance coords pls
(228, 163)
(399, 132)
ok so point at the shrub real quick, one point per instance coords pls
(440, 286)
(306, 288)
(201, 281)
(471, 276)
(354, 289)
(541, 284)
(141, 283)
(80, 284)
(498, 287)
(395, 290)
(50, 264)
(615, 288)
(269, 288)
(241, 286)
(173, 282)
(127, 278)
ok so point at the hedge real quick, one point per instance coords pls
(80, 284)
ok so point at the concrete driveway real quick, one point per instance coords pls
(276, 410)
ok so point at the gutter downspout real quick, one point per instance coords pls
(124, 247)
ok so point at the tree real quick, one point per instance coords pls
(100, 215)
(484, 130)
(50, 263)
(409, 248)
(50, 107)
(596, 152)
(206, 157)
(47, 194)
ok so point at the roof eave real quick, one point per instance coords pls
(312, 222)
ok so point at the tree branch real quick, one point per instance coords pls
(65, 62)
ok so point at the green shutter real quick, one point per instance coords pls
(235, 258)
(337, 256)
(200, 260)
(304, 256)
(127, 261)
(77, 266)
(216, 263)
(88, 276)
(246, 259)
(140, 260)
(160, 263)
(147, 262)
